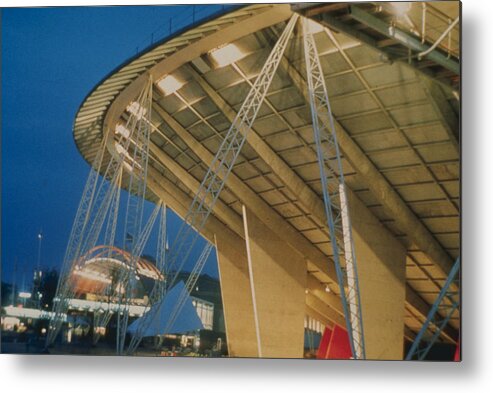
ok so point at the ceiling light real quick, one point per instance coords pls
(136, 109)
(226, 55)
(169, 84)
(327, 289)
(401, 7)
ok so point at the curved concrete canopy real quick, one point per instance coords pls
(413, 154)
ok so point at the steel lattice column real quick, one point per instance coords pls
(334, 193)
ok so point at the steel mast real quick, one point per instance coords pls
(334, 194)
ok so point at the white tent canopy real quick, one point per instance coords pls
(187, 320)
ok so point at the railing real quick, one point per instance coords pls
(194, 13)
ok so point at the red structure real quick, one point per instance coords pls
(457, 353)
(334, 344)
(324, 344)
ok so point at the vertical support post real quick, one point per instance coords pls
(252, 283)
(277, 284)
(236, 296)
(352, 274)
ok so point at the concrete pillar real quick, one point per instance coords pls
(233, 270)
(318, 305)
(237, 299)
(278, 281)
(381, 262)
(313, 203)
(381, 268)
(229, 245)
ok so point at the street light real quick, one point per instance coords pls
(38, 273)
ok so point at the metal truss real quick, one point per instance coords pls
(162, 248)
(189, 285)
(103, 316)
(99, 204)
(103, 319)
(222, 164)
(127, 281)
(134, 238)
(226, 157)
(334, 194)
(442, 310)
(85, 232)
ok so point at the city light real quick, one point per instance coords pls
(24, 295)
(169, 84)
(226, 55)
(93, 276)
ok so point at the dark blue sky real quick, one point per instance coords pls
(51, 59)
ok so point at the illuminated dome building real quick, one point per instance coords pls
(97, 277)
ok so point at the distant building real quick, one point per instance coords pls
(96, 282)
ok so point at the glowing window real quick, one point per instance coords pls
(169, 84)
(226, 55)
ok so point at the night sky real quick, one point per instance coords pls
(51, 59)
